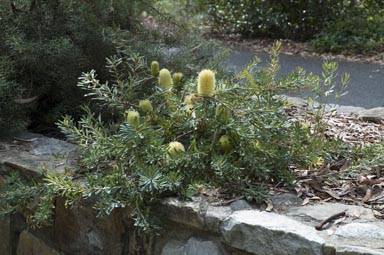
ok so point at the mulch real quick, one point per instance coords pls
(341, 180)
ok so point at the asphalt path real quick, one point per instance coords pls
(365, 88)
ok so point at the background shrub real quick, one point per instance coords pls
(359, 33)
(293, 19)
(335, 25)
(11, 114)
(49, 43)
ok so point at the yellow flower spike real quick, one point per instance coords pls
(155, 68)
(206, 85)
(175, 147)
(177, 78)
(165, 79)
(225, 143)
(146, 106)
(133, 117)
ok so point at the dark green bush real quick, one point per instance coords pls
(293, 19)
(336, 26)
(356, 35)
(48, 44)
(11, 113)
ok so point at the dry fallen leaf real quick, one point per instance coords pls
(269, 205)
(25, 100)
(367, 196)
(305, 201)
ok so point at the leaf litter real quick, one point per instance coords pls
(339, 180)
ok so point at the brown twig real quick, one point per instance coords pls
(321, 225)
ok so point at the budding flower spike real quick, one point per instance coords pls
(133, 117)
(175, 147)
(165, 79)
(155, 68)
(146, 106)
(225, 143)
(177, 78)
(206, 83)
(223, 114)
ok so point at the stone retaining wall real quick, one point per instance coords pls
(192, 228)
(188, 228)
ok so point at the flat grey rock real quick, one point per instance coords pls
(215, 215)
(196, 246)
(374, 114)
(47, 146)
(361, 231)
(282, 202)
(30, 153)
(185, 212)
(295, 101)
(173, 247)
(365, 235)
(319, 212)
(240, 205)
(343, 109)
(269, 234)
(29, 244)
(355, 250)
(193, 246)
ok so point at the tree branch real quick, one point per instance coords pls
(321, 225)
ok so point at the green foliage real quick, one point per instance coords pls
(293, 19)
(48, 44)
(352, 27)
(361, 34)
(186, 12)
(11, 114)
(238, 140)
(370, 158)
(34, 199)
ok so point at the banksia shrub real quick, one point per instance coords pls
(237, 142)
(155, 68)
(206, 83)
(177, 79)
(146, 105)
(133, 117)
(165, 79)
